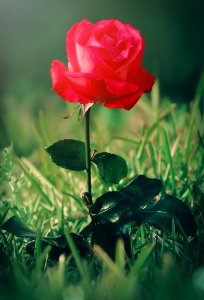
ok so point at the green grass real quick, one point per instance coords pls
(158, 139)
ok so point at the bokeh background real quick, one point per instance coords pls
(32, 34)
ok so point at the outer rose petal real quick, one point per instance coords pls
(125, 102)
(89, 86)
(120, 87)
(144, 83)
(147, 80)
(62, 85)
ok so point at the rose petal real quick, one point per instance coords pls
(91, 63)
(62, 85)
(125, 102)
(89, 86)
(79, 32)
(128, 69)
(144, 81)
(120, 87)
(147, 80)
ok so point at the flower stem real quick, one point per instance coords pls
(88, 156)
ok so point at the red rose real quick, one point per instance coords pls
(104, 65)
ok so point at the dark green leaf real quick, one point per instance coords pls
(112, 168)
(68, 154)
(167, 208)
(141, 190)
(61, 241)
(54, 253)
(107, 235)
(18, 227)
(110, 206)
(105, 202)
(160, 220)
(59, 246)
(178, 209)
(121, 206)
(102, 238)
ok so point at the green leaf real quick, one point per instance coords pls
(61, 241)
(58, 245)
(112, 168)
(124, 205)
(18, 227)
(142, 190)
(110, 206)
(104, 238)
(169, 207)
(68, 154)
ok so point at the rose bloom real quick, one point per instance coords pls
(104, 65)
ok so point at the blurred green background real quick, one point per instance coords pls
(32, 34)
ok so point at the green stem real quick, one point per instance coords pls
(88, 155)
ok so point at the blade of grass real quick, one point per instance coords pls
(76, 256)
(38, 136)
(153, 159)
(47, 164)
(173, 150)
(190, 131)
(35, 183)
(120, 255)
(173, 233)
(155, 99)
(45, 133)
(40, 181)
(141, 260)
(5, 212)
(142, 145)
(169, 160)
(108, 262)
